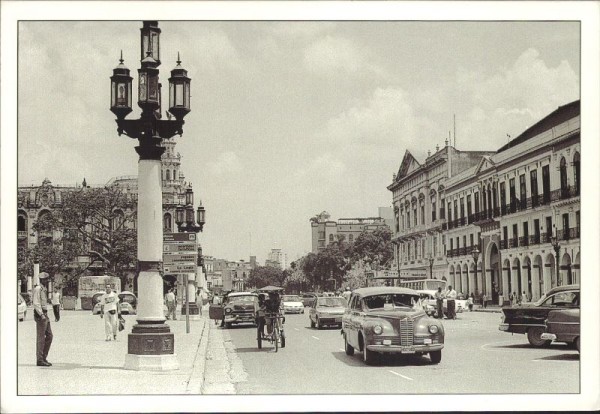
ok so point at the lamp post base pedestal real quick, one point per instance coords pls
(150, 347)
(194, 309)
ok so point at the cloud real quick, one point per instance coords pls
(299, 29)
(322, 169)
(332, 55)
(226, 163)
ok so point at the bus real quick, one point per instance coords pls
(88, 285)
(424, 284)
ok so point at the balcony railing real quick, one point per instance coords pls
(21, 234)
(514, 242)
(564, 193)
(534, 239)
(502, 244)
(524, 241)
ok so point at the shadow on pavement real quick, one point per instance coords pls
(386, 360)
(69, 366)
(254, 349)
(528, 346)
(561, 357)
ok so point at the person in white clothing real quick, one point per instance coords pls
(110, 310)
(451, 302)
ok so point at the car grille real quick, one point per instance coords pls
(406, 332)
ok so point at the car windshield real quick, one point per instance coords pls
(390, 301)
(247, 298)
(127, 298)
(289, 298)
(331, 302)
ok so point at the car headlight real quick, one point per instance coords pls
(227, 310)
(433, 329)
(377, 330)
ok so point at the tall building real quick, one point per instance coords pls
(517, 200)
(418, 196)
(277, 258)
(326, 231)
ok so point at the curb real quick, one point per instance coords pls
(196, 380)
(488, 310)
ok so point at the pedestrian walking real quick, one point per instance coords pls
(56, 303)
(451, 302)
(470, 301)
(439, 302)
(524, 297)
(199, 301)
(42, 322)
(171, 301)
(110, 311)
(484, 299)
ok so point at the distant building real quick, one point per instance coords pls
(224, 275)
(326, 231)
(277, 258)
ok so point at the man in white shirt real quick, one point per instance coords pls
(171, 302)
(110, 311)
(42, 322)
(451, 302)
(56, 304)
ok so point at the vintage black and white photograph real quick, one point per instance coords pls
(332, 203)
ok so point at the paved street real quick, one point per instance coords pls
(477, 358)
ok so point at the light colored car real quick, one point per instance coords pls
(430, 306)
(21, 308)
(389, 320)
(327, 311)
(292, 304)
(127, 300)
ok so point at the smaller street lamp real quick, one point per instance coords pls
(556, 246)
(431, 260)
(475, 254)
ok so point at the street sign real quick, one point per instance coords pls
(180, 253)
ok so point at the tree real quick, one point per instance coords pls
(374, 247)
(262, 276)
(99, 222)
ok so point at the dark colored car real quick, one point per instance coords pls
(390, 320)
(308, 299)
(563, 326)
(237, 307)
(530, 318)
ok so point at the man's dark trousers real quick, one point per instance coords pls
(44, 337)
(56, 309)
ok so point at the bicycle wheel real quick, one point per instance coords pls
(276, 337)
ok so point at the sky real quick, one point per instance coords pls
(289, 118)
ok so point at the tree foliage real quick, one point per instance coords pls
(98, 222)
(262, 276)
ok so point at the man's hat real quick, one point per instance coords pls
(43, 275)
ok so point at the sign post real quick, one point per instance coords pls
(180, 257)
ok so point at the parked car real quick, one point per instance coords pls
(529, 318)
(128, 302)
(237, 307)
(430, 305)
(292, 304)
(96, 302)
(390, 320)
(21, 307)
(308, 299)
(327, 311)
(563, 326)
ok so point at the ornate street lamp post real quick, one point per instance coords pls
(475, 254)
(431, 260)
(150, 343)
(556, 246)
(184, 218)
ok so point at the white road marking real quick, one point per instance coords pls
(296, 329)
(400, 375)
(342, 349)
(316, 338)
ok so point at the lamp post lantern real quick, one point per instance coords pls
(151, 345)
(431, 260)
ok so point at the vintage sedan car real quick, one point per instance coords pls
(237, 307)
(563, 326)
(327, 311)
(390, 320)
(529, 318)
(430, 305)
(292, 304)
(21, 308)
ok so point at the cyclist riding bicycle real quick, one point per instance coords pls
(270, 305)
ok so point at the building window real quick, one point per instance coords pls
(442, 212)
(565, 220)
(503, 197)
(455, 210)
(168, 175)
(563, 177)
(21, 223)
(415, 215)
(462, 207)
(548, 228)
(576, 172)
(513, 196)
(330, 238)
(515, 235)
(505, 236)
(449, 211)
(422, 214)
(408, 219)
(546, 183)
(526, 233)
(536, 231)
(476, 202)
(471, 240)
(534, 188)
(433, 210)
(469, 208)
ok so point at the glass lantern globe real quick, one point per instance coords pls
(120, 90)
(179, 91)
(201, 215)
(148, 88)
(150, 34)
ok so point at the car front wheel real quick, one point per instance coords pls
(318, 324)
(534, 336)
(435, 356)
(349, 348)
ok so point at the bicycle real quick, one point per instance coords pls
(275, 333)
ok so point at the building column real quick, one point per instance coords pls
(535, 282)
(191, 291)
(506, 286)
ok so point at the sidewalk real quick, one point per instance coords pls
(84, 363)
(489, 308)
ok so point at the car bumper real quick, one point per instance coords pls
(240, 319)
(330, 319)
(293, 310)
(548, 336)
(396, 349)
